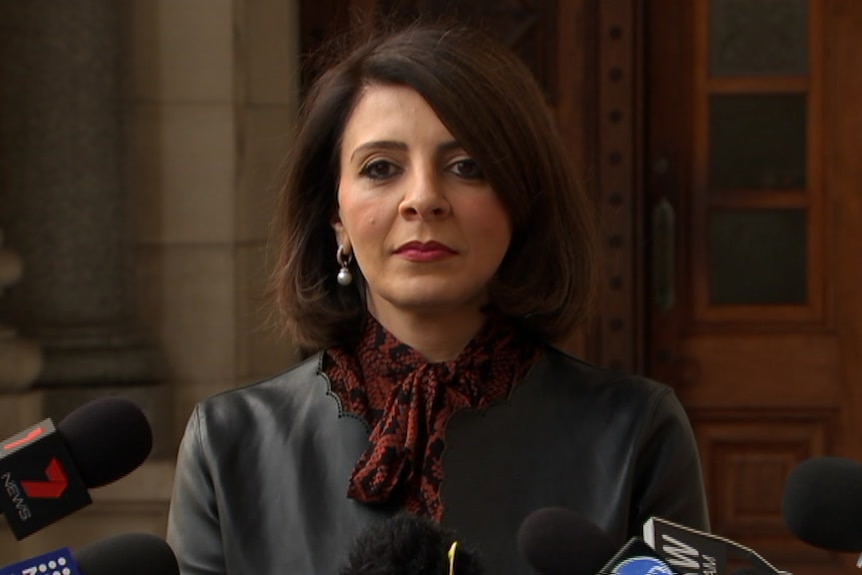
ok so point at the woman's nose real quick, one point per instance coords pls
(425, 198)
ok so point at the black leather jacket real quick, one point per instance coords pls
(262, 471)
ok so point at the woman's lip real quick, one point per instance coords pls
(425, 252)
(425, 247)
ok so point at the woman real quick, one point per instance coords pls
(432, 243)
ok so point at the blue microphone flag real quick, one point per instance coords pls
(57, 562)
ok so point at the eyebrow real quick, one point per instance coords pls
(394, 145)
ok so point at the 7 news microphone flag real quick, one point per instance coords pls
(45, 471)
(39, 483)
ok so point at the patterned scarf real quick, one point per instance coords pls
(408, 401)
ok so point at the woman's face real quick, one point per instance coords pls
(424, 225)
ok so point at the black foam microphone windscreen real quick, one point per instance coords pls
(108, 438)
(408, 544)
(558, 541)
(128, 554)
(823, 503)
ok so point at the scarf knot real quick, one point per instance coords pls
(408, 401)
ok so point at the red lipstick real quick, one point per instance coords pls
(425, 251)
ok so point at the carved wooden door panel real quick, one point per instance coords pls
(753, 181)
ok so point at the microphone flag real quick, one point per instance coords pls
(692, 552)
(39, 483)
(637, 558)
(57, 562)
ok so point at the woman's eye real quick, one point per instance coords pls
(468, 169)
(379, 170)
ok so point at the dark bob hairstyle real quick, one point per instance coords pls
(490, 102)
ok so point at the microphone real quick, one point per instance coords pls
(559, 541)
(823, 503)
(407, 543)
(694, 552)
(129, 554)
(45, 471)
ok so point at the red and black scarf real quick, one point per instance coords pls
(408, 401)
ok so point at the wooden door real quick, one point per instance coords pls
(754, 188)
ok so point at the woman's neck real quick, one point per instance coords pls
(438, 337)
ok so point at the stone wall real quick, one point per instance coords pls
(145, 278)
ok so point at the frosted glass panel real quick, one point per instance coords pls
(758, 257)
(757, 141)
(758, 37)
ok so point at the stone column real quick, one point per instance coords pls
(20, 359)
(62, 197)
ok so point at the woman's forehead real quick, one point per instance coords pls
(389, 113)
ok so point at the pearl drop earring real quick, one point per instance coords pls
(344, 277)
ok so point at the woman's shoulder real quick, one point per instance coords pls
(592, 390)
(294, 410)
(288, 389)
(563, 368)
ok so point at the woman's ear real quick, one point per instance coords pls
(340, 233)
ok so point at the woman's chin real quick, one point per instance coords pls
(426, 299)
